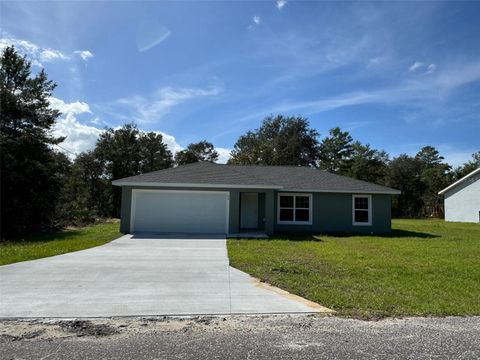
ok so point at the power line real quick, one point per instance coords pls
(69, 151)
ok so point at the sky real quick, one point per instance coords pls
(396, 75)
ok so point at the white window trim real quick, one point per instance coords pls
(369, 223)
(310, 208)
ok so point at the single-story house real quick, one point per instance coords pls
(214, 198)
(462, 199)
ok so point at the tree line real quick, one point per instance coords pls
(291, 141)
(42, 188)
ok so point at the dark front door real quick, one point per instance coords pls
(249, 211)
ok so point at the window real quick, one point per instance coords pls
(295, 209)
(362, 210)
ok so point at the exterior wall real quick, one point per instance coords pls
(462, 203)
(234, 206)
(332, 213)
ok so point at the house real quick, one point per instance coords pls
(214, 198)
(462, 199)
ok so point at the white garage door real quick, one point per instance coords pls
(168, 211)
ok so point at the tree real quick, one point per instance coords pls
(119, 149)
(435, 176)
(31, 171)
(367, 164)
(127, 152)
(405, 174)
(429, 156)
(280, 140)
(86, 194)
(201, 151)
(468, 167)
(154, 153)
(335, 151)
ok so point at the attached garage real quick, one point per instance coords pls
(177, 211)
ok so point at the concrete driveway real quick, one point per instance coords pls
(140, 276)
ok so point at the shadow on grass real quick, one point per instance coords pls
(42, 237)
(396, 233)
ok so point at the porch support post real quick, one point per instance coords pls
(269, 211)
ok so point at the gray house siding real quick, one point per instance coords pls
(126, 209)
(332, 212)
(261, 211)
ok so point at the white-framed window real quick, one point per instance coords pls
(362, 210)
(294, 208)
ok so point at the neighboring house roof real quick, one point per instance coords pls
(287, 178)
(466, 177)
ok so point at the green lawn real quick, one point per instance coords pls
(425, 267)
(43, 245)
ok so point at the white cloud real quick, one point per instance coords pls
(431, 68)
(320, 105)
(37, 54)
(79, 137)
(69, 108)
(49, 55)
(257, 19)
(171, 142)
(427, 93)
(153, 108)
(281, 4)
(453, 77)
(84, 54)
(223, 155)
(415, 66)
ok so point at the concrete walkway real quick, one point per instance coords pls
(140, 276)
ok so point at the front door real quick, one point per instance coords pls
(249, 211)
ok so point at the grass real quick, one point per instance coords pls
(43, 245)
(424, 267)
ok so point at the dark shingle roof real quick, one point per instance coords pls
(273, 177)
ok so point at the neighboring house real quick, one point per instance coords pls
(213, 198)
(462, 199)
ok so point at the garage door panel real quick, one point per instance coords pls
(179, 211)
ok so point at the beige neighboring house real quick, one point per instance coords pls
(462, 199)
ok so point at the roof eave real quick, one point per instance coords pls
(196, 185)
(348, 191)
(441, 192)
(243, 186)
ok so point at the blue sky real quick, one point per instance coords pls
(397, 75)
